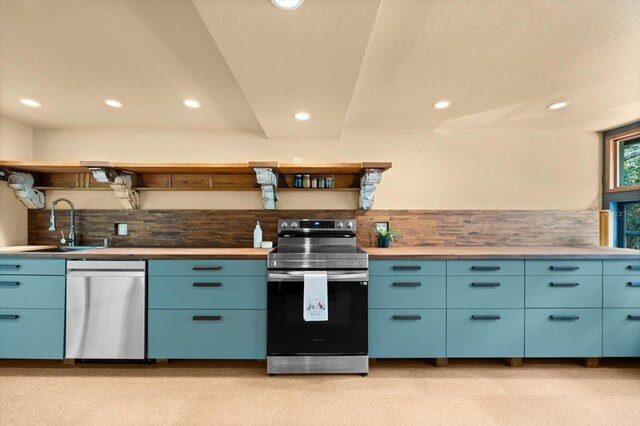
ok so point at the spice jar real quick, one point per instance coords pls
(306, 181)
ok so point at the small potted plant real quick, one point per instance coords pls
(385, 235)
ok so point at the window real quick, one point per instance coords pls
(629, 225)
(630, 161)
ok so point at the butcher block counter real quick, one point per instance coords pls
(410, 252)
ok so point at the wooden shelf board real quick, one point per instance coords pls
(319, 189)
(187, 168)
(330, 168)
(44, 166)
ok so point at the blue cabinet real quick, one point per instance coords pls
(621, 315)
(485, 267)
(32, 294)
(419, 291)
(485, 292)
(407, 333)
(405, 267)
(581, 291)
(563, 333)
(476, 333)
(207, 309)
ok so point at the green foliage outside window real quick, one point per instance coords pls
(630, 163)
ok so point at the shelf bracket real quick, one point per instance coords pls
(22, 184)
(368, 183)
(268, 181)
(121, 183)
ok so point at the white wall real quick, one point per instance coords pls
(15, 144)
(432, 169)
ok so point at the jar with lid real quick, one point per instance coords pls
(321, 183)
(297, 183)
(314, 182)
(306, 181)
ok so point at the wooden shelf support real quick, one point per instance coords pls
(368, 183)
(268, 181)
(122, 185)
(22, 184)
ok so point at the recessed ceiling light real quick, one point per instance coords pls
(30, 103)
(191, 103)
(558, 105)
(302, 116)
(287, 4)
(113, 103)
(441, 104)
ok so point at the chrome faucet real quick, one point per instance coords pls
(72, 224)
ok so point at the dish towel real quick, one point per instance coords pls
(315, 306)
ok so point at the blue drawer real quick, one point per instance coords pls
(407, 292)
(211, 267)
(552, 333)
(485, 267)
(564, 267)
(488, 333)
(407, 267)
(33, 334)
(622, 267)
(485, 292)
(621, 291)
(407, 333)
(32, 291)
(10, 266)
(564, 292)
(238, 334)
(621, 332)
(212, 293)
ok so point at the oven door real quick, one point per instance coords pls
(346, 331)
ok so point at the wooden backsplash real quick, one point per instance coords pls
(234, 228)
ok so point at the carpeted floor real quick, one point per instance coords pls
(399, 392)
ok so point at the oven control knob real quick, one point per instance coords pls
(294, 224)
(284, 224)
(339, 225)
(349, 225)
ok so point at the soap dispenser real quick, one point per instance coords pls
(257, 236)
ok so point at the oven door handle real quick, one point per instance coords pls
(331, 276)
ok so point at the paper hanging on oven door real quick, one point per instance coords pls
(315, 304)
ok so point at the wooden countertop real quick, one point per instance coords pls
(502, 252)
(416, 252)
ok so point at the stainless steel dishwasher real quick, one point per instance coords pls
(106, 310)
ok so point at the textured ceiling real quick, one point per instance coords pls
(349, 63)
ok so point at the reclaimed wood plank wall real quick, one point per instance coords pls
(234, 228)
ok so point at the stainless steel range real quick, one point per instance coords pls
(318, 255)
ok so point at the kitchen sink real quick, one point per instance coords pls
(64, 249)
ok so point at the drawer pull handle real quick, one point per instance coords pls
(407, 284)
(9, 316)
(207, 284)
(8, 283)
(207, 268)
(634, 267)
(207, 318)
(633, 317)
(485, 284)
(633, 283)
(9, 266)
(485, 268)
(564, 284)
(564, 317)
(564, 268)
(485, 317)
(407, 268)
(407, 317)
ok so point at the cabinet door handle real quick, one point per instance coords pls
(633, 283)
(9, 283)
(633, 317)
(207, 318)
(207, 284)
(485, 284)
(9, 317)
(407, 284)
(485, 317)
(564, 284)
(564, 268)
(207, 268)
(9, 266)
(485, 268)
(634, 267)
(564, 317)
(407, 268)
(407, 317)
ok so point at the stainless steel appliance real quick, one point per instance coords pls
(340, 344)
(106, 310)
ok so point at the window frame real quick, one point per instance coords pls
(613, 161)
